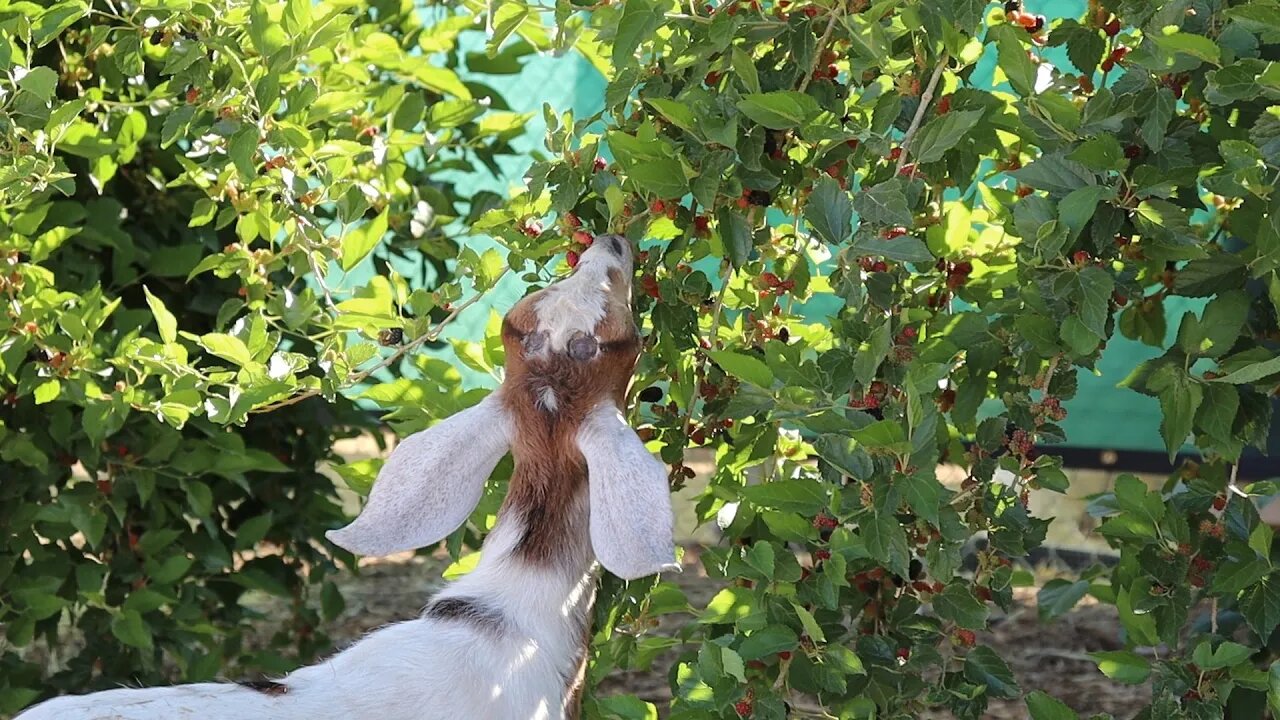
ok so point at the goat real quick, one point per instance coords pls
(508, 640)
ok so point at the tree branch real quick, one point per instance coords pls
(925, 99)
(822, 45)
(391, 359)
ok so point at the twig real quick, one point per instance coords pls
(726, 276)
(822, 46)
(1232, 487)
(391, 359)
(925, 99)
(1048, 375)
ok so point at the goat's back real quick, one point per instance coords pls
(423, 669)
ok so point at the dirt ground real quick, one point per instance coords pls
(1044, 656)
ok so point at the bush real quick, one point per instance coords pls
(1002, 238)
(1126, 156)
(187, 182)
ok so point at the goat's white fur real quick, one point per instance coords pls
(440, 669)
(424, 669)
(577, 304)
(631, 524)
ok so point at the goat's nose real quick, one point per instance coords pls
(615, 244)
(583, 347)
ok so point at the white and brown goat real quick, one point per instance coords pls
(508, 641)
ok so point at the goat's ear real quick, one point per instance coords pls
(631, 521)
(431, 483)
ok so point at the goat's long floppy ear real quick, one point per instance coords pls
(631, 521)
(431, 483)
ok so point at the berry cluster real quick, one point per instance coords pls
(1030, 22)
(958, 272)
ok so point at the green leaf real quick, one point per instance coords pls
(760, 558)
(170, 569)
(1012, 58)
(265, 33)
(1123, 666)
(744, 68)
(983, 666)
(780, 110)
(1079, 338)
(297, 16)
(1044, 707)
(957, 604)
(1040, 331)
(886, 540)
(506, 20)
(923, 494)
(1234, 82)
(663, 177)
(730, 605)
(965, 15)
(242, 148)
(1100, 153)
(1252, 373)
(1055, 174)
(1197, 46)
(640, 18)
(1157, 112)
(227, 347)
(845, 456)
(943, 133)
(1085, 45)
(829, 211)
(884, 204)
(1226, 655)
(630, 707)
(41, 82)
(175, 124)
(885, 435)
(768, 641)
(809, 623)
(676, 113)
(130, 629)
(47, 391)
(56, 19)
(746, 367)
(360, 242)
(1273, 688)
(1057, 597)
(1079, 206)
(735, 234)
(166, 323)
(1179, 402)
(452, 112)
(904, 248)
(798, 495)
(1093, 294)
(1260, 605)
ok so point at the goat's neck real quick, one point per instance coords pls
(545, 591)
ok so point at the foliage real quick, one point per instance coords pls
(1002, 238)
(860, 262)
(185, 182)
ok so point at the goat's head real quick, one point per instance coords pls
(576, 339)
(571, 349)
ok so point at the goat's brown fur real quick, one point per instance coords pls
(550, 471)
